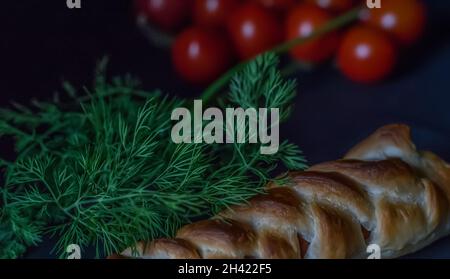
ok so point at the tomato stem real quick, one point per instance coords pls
(157, 37)
(330, 26)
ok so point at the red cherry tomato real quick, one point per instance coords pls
(213, 13)
(336, 6)
(303, 20)
(366, 54)
(404, 19)
(253, 29)
(166, 14)
(277, 4)
(200, 56)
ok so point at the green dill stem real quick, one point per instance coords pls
(332, 25)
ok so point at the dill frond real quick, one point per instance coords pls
(101, 170)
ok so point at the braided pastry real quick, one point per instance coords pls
(383, 192)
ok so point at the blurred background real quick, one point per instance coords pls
(43, 43)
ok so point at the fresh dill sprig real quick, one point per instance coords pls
(101, 170)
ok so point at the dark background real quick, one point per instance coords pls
(42, 43)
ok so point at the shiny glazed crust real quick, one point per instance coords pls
(382, 192)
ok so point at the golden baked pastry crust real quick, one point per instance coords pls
(382, 192)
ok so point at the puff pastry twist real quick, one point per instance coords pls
(382, 192)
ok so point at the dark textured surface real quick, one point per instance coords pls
(43, 42)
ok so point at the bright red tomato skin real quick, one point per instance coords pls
(213, 13)
(279, 5)
(303, 20)
(168, 15)
(336, 6)
(253, 30)
(404, 19)
(366, 54)
(200, 56)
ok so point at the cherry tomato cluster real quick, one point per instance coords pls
(212, 35)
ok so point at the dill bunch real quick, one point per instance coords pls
(101, 170)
